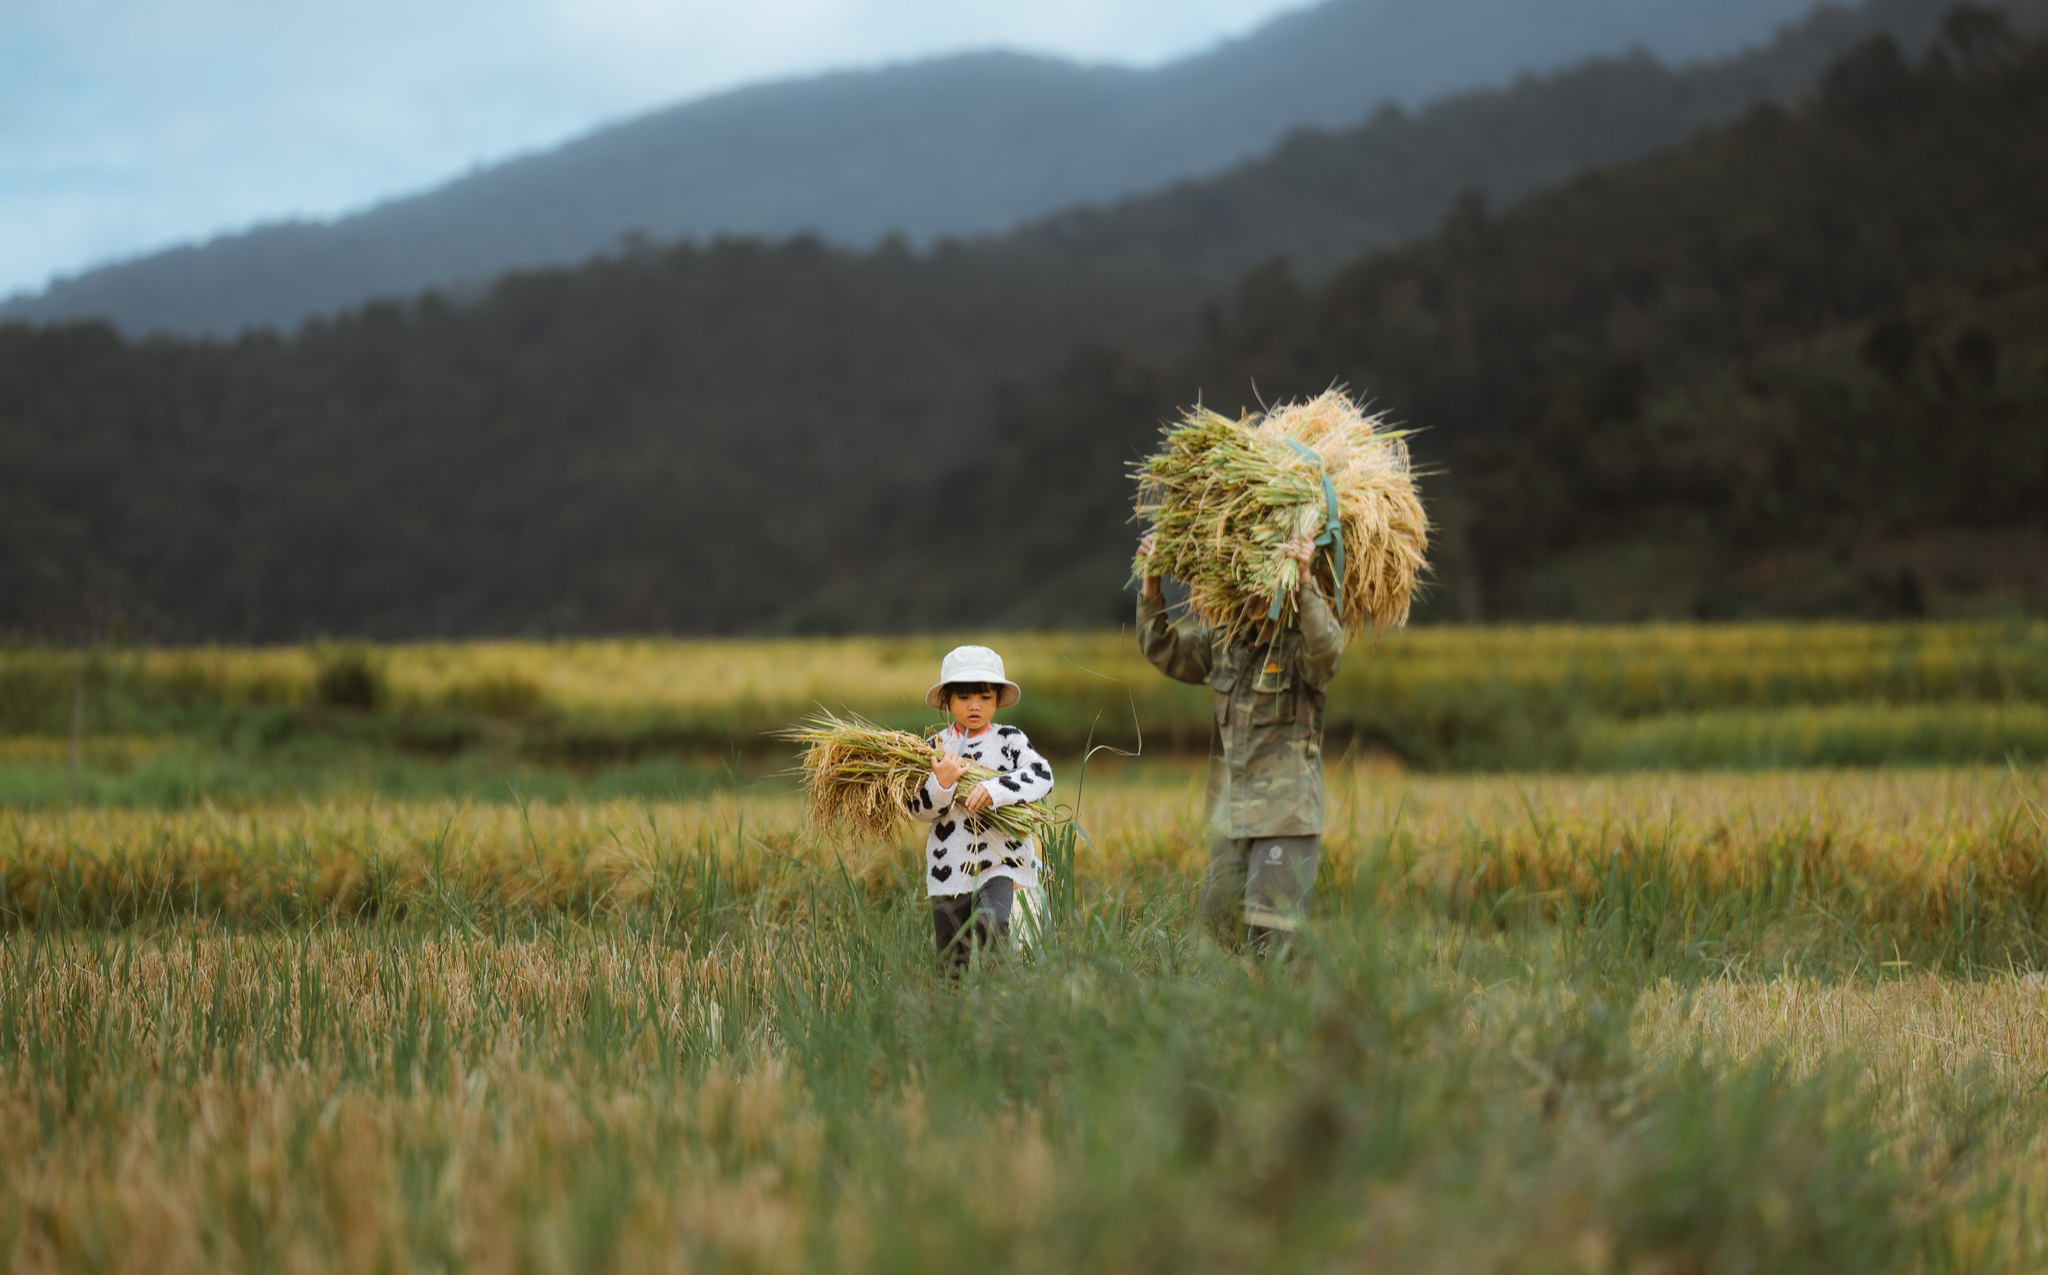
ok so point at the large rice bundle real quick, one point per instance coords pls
(1224, 497)
(865, 776)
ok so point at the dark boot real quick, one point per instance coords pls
(1266, 940)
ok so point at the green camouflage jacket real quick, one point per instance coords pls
(1267, 780)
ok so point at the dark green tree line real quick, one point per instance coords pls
(1751, 365)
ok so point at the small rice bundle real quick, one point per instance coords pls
(865, 776)
(1224, 497)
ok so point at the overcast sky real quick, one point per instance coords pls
(129, 125)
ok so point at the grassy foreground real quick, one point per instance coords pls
(1638, 1023)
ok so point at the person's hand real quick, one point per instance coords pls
(947, 768)
(1146, 543)
(1303, 550)
(979, 800)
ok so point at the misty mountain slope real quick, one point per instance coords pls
(1322, 197)
(958, 146)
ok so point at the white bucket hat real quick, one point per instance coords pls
(972, 664)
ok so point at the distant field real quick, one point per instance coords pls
(1773, 1021)
(653, 718)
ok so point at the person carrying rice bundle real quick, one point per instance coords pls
(1237, 511)
(975, 871)
(976, 784)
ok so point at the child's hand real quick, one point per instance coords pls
(947, 768)
(979, 800)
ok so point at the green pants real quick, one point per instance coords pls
(1262, 882)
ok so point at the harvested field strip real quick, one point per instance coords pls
(1948, 867)
(760, 685)
(1828, 735)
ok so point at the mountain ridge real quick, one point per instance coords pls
(852, 171)
(1322, 196)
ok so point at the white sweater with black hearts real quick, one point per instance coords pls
(961, 852)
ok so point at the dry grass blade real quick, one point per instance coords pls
(863, 776)
(1224, 497)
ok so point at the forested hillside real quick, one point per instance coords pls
(692, 440)
(977, 144)
(1794, 365)
(1797, 365)
(1325, 196)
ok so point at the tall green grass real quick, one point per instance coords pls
(805, 1093)
(1768, 1022)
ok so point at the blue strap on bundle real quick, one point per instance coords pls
(1333, 529)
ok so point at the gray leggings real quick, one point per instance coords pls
(964, 922)
(1261, 882)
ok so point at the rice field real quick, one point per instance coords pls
(1652, 950)
(768, 682)
(1630, 1022)
(177, 726)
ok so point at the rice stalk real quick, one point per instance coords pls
(1224, 497)
(866, 777)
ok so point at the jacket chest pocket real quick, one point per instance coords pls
(1272, 688)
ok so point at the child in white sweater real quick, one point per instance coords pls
(973, 871)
